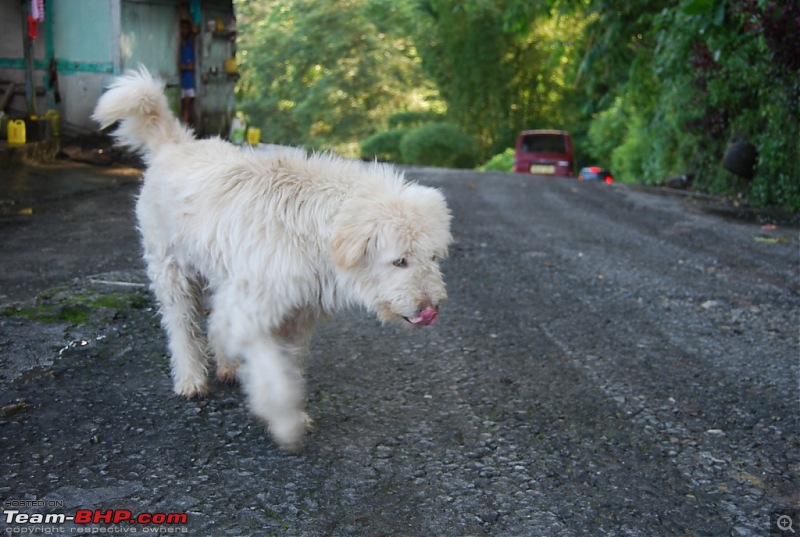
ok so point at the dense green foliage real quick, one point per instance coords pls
(384, 145)
(431, 144)
(694, 79)
(421, 138)
(439, 144)
(324, 73)
(650, 88)
(495, 81)
(502, 162)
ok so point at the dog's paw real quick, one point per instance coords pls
(192, 389)
(288, 432)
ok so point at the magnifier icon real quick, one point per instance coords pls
(785, 523)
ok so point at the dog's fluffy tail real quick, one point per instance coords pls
(137, 101)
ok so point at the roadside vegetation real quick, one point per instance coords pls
(651, 89)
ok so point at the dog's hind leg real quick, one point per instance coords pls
(179, 295)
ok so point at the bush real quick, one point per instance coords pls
(412, 118)
(439, 144)
(628, 160)
(775, 130)
(607, 132)
(502, 162)
(384, 146)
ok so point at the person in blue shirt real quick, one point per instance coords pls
(186, 65)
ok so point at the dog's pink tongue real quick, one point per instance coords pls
(426, 317)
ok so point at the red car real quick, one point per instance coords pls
(544, 152)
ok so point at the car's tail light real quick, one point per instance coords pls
(609, 179)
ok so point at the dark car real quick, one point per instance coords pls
(544, 152)
(596, 173)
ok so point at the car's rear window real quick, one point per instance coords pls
(544, 143)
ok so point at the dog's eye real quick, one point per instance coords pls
(400, 263)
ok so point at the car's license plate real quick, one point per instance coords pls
(543, 168)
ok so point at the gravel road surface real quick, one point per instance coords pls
(611, 361)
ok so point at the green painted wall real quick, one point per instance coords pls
(150, 36)
(83, 37)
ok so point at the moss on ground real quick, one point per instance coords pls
(60, 306)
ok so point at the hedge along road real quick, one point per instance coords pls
(610, 362)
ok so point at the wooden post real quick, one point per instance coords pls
(27, 47)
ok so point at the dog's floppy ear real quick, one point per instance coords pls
(350, 243)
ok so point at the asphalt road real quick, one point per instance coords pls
(612, 361)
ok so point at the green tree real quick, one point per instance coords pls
(654, 88)
(670, 86)
(462, 45)
(497, 75)
(323, 74)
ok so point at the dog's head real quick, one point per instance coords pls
(387, 248)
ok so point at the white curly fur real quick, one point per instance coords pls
(279, 242)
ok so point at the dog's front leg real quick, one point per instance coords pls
(273, 381)
(178, 294)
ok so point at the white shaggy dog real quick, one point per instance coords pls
(278, 242)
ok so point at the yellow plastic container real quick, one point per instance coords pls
(231, 67)
(253, 135)
(55, 122)
(16, 131)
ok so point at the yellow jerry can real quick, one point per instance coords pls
(253, 135)
(16, 131)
